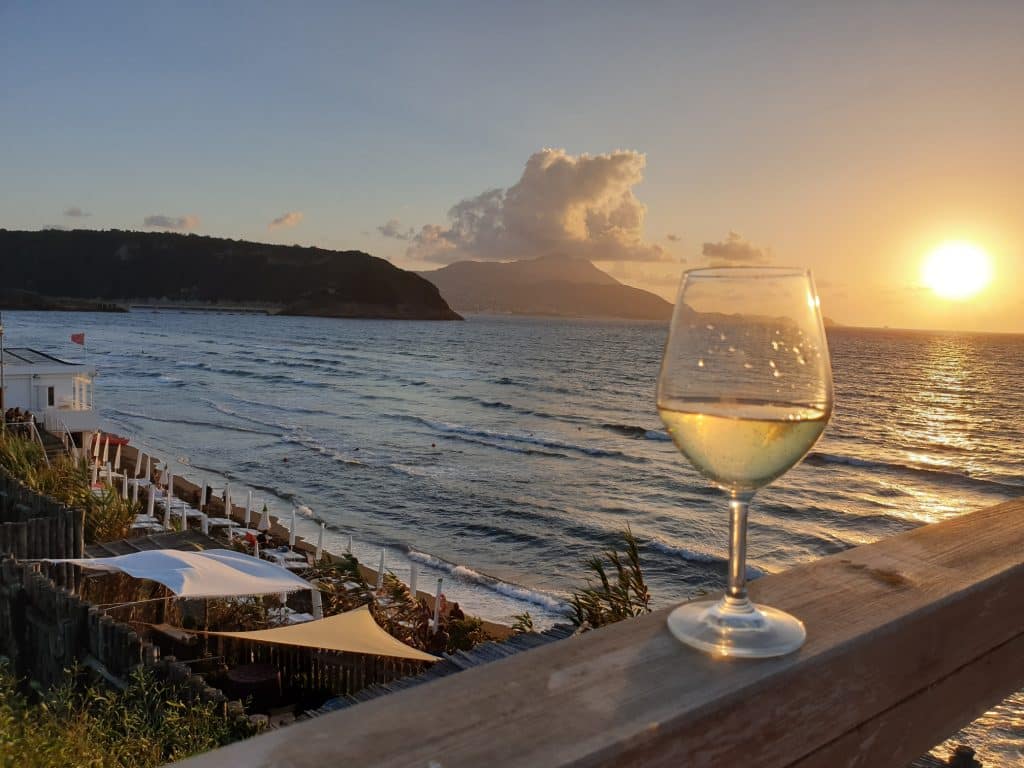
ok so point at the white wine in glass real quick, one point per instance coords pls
(745, 391)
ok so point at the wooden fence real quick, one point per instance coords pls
(312, 670)
(46, 629)
(33, 526)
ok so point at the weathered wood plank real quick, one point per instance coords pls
(947, 706)
(893, 627)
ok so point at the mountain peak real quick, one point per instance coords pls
(551, 284)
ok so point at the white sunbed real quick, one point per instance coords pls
(286, 558)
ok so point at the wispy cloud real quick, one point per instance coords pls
(76, 213)
(735, 250)
(578, 205)
(393, 228)
(171, 222)
(285, 220)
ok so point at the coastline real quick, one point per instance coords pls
(278, 530)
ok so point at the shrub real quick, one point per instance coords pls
(148, 724)
(620, 596)
(522, 622)
(107, 516)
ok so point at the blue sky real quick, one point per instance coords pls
(850, 137)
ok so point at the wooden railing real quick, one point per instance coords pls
(908, 640)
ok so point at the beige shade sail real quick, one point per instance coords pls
(349, 632)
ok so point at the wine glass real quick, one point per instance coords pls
(745, 390)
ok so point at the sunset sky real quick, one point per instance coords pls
(852, 139)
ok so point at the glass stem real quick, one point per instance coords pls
(736, 594)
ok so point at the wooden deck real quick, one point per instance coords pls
(908, 640)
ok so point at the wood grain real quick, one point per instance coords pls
(908, 639)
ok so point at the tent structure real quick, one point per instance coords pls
(210, 573)
(350, 632)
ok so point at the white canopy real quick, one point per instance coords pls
(211, 573)
(351, 632)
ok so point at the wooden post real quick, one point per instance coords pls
(79, 533)
(21, 549)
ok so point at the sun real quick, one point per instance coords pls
(957, 270)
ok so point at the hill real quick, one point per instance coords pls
(120, 266)
(548, 285)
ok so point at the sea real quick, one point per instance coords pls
(500, 453)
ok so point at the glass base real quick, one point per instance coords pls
(737, 628)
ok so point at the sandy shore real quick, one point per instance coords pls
(186, 489)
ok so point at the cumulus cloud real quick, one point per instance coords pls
(75, 212)
(672, 238)
(392, 228)
(735, 250)
(578, 205)
(171, 222)
(285, 220)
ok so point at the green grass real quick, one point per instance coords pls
(107, 517)
(148, 724)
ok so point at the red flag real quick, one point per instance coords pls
(78, 338)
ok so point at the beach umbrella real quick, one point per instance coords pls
(256, 550)
(117, 458)
(202, 495)
(135, 493)
(150, 502)
(170, 489)
(204, 522)
(108, 474)
(228, 505)
(149, 467)
(414, 575)
(320, 542)
(138, 464)
(437, 606)
(167, 516)
(380, 570)
(264, 524)
(248, 509)
(291, 530)
(124, 486)
(95, 473)
(106, 450)
(97, 439)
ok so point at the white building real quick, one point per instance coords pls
(57, 392)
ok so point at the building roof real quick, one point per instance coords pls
(27, 356)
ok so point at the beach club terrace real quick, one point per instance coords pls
(58, 392)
